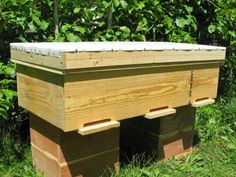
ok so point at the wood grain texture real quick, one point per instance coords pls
(70, 101)
(101, 59)
(123, 97)
(204, 83)
(40, 60)
(43, 98)
(119, 58)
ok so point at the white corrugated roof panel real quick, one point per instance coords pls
(57, 48)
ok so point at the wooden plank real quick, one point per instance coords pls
(121, 97)
(203, 102)
(160, 113)
(92, 166)
(102, 59)
(40, 60)
(43, 98)
(204, 83)
(37, 67)
(98, 127)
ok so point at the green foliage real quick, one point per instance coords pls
(16, 169)
(7, 91)
(196, 21)
(12, 118)
(217, 121)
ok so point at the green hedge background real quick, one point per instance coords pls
(210, 22)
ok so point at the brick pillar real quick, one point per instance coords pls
(59, 154)
(163, 137)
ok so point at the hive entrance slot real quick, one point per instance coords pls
(200, 99)
(160, 112)
(96, 122)
(158, 109)
(98, 126)
(203, 102)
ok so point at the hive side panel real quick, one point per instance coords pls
(204, 83)
(42, 94)
(122, 97)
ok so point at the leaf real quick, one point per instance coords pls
(232, 146)
(32, 27)
(3, 113)
(65, 28)
(22, 39)
(36, 20)
(44, 25)
(10, 71)
(10, 94)
(181, 22)
(106, 4)
(70, 37)
(77, 10)
(116, 3)
(60, 38)
(5, 104)
(125, 29)
(80, 29)
(211, 28)
(123, 4)
(140, 37)
(188, 8)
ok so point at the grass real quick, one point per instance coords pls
(22, 168)
(210, 159)
(214, 156)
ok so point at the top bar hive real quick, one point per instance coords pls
(72, 85)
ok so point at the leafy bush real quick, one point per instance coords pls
(13, 119)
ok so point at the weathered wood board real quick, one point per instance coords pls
(75, 87)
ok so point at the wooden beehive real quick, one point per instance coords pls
(74, 85)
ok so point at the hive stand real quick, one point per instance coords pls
(163, 137)
(60, 154)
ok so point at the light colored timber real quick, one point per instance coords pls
(92, 97)
(204, 83)
(83, 60)
(160, 113)
(39, 96)
(37, 67)
(102, 59)
(73, 100)
(98, 127)
(203, 102)
(40, 60)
